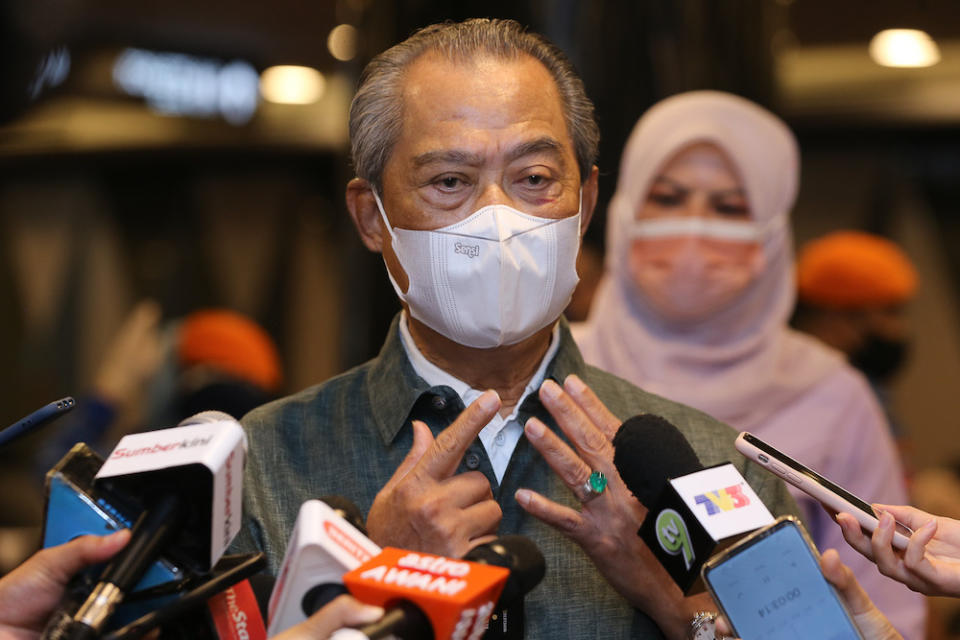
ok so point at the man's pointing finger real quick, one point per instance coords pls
(450, 444)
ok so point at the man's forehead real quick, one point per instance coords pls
(513, 100)
(484, 72)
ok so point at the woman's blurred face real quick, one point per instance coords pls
(695, 245)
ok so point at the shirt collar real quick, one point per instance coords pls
(394, 385)
(435, 376)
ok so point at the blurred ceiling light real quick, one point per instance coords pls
(342, 42)
(904, 48)
(289, 84)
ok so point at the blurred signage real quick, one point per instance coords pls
(185, 85)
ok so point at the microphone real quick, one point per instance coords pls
(188, 480)
(325, 544)
(229, 606)
(439, 598)
(37, 419)
(693, 511)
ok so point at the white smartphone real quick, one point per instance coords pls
(769, 586)
(813, 484)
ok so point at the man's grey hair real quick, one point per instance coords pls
(376, 114)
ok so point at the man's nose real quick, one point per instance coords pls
(491, 194)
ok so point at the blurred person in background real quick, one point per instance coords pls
(853, 289)
(695, 301)
(154, 377)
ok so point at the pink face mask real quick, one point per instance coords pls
(690, 267)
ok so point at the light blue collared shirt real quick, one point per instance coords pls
(501, 436)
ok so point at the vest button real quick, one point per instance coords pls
(438, 402)
(472, 460)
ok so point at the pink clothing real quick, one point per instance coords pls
(743, 364)
(838, 429)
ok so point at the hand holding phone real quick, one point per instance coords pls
(931, 563)
(831, 495)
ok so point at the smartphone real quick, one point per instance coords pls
(769, 585)
(813, 484)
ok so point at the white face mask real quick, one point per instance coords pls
(495, 278)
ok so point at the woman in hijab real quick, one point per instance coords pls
(694, 304)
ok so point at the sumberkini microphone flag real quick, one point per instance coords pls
(693, 512)
(201, 460)
(189, 481)
(456, 596)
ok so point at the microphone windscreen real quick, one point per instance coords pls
(648, 451)
(347, 510)
(206, 417)
(521, 556)
(262, 585)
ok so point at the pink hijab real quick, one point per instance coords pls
(743, 363)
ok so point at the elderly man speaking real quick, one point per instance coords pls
(474, 145)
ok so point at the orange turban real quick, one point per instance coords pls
(850, 269)
(232, 343)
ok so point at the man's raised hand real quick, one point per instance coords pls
(424, 506)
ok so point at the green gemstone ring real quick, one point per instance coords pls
(594, 486)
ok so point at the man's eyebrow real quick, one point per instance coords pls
(451, 156)
(545, 144)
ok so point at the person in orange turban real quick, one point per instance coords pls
(153, 375)
(853, 290)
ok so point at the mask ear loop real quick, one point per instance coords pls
(395, 243)
(580, 215)
(383, 214)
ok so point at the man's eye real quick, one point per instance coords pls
(535, 180)
(449, 182)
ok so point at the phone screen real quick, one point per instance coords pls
(772, 588)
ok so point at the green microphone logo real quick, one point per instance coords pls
(673, 537)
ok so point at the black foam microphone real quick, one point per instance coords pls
(230, 605)
(347, 510)
(693, 511)
(648, 451)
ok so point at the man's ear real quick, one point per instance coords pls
(589, 202)
(365, 214)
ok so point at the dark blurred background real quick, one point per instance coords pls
(142, 155)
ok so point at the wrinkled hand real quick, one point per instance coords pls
(30, 593)
(872, 624)
(606, 526)
(424, 506)
(931, 562)
(344, 611)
